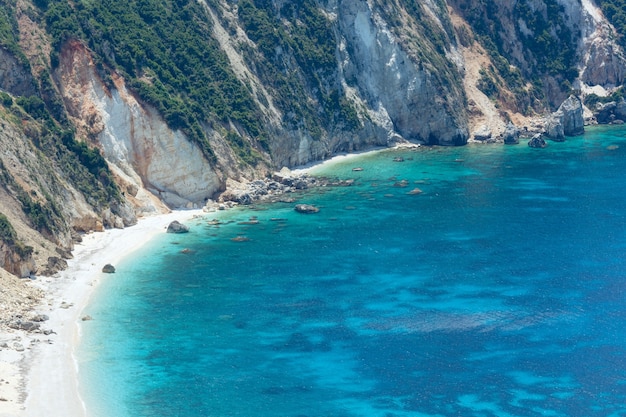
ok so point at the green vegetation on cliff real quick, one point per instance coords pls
(166, 52)
(9, 237)
(296, 55)
(548, 49)
(615, 12)
(9, 33)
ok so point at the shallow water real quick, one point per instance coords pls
(498, 290)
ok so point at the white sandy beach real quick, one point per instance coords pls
(38, 373)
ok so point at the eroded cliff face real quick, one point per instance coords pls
(402, 95)
(15, 77)
(395, 88)
(601, 59)
(563, 43)
(150, 159)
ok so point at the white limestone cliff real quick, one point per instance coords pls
(154, 163)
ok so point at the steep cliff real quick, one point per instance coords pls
(110, 110)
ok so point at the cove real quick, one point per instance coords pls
(498, 290)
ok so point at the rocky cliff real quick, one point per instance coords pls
(110, 110)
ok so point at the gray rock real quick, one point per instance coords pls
(108, 269)
(537, 141)
(483, 134)
(568, 120)
(511, 134)
(236, 196)
(40, 317)
(306, 208)
(572, 120)
(54, 265)
(177, 227)
(29, 326)
(605, 112)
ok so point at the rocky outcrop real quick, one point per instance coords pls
(483, 134)
(568, 120)
(611, 112)
(573, 120)
(108, 269)
(16, 262)
(554, 127)
(177, 227)
(603, 61)
(511, 134)
(537, 141)
(15, 76)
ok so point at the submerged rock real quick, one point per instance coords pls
(306, 208)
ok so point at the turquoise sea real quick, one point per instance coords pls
(499, 290)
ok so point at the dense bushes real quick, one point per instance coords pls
(548, 46)
(43, 217)
(296, 55)
(615, 12)
(166, 51)
(9, 33)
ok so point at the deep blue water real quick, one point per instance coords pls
(500, 290)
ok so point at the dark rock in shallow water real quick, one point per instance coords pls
(537, 141)
(306, 208)
(108, 269)
(177, 227)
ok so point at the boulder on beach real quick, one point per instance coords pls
(306, 208)
(108, 269)
(177, 227)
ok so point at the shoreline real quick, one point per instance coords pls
(41, 377)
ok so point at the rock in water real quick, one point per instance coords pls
(177, 227)
(568, 120)
(573, 119)
(537, 141)
(108, 269)
(306, 208)
(511, 134)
